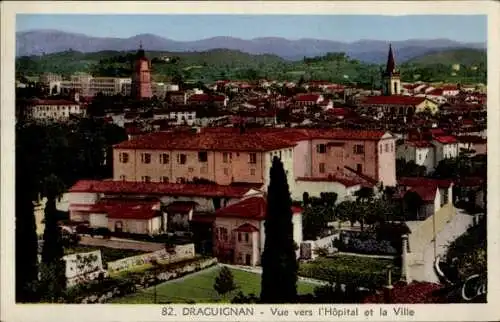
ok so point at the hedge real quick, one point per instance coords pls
(364, 272)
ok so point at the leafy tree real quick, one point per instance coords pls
(279, 263)
(53, 269)
(314, 220)
(224, 282)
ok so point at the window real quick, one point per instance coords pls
(321, 168)
(164, 179)
(252, 172)
(181, 158)
(246, 237)
(253, 158)
(239, 236)
(202, 156)
(392, 147)
(146, 158)
(146, 179)
(321, 148)
(226, 157)
(226, 171)
(280, 155)
(181, 180)
(164, 158)
(123, 178)
(359, 167)
(358, 149)
(190, 169)
(386, 147)
(123, 157)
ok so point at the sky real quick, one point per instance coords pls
(345, 28)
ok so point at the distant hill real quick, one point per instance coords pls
(36, 42)
(464, 56)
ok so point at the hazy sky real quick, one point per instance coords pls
(193, 27)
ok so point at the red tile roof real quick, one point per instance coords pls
(247, 228)
(446, 139)
(427, 193)
(422, 181)
(206, 98)
(248, 208)
(153, 188)
(392, 100)
(207, 140)
(307, 97)
(122, 208)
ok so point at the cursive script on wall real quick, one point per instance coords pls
(474, 288)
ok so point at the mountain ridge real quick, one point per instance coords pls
(45, 41)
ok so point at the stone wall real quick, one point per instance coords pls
(424, 232)
(180, 252)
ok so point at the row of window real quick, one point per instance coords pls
(279, 154)
(356, 149)
(182, 158)
(222, 234)
(203, 170)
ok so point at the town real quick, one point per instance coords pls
(165, 192)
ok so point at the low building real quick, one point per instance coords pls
(419, 151)
(446, 147)
(239, 236)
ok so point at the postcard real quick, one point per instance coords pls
(250, 161)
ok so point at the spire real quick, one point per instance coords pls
(391, 64)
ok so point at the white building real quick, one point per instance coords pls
(420, 152)
(53, 110)
(446, 147)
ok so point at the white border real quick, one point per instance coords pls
(427, 312)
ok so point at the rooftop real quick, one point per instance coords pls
(153, 188)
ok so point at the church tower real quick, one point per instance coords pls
(141, 76)
(390, 77)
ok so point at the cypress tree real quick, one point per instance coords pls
(279, 263)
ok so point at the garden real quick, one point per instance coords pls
(366, 272)
(199, 288)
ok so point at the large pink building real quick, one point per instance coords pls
(225, 155)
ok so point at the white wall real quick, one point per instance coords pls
(314, 188)
(87, 198)
(286, 159)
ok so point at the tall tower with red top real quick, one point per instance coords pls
(141, 77)
(390, 77)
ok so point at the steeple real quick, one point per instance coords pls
(140, 52)
(391, 63)
(390, 77)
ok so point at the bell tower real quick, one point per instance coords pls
(390, 77)
(141, 77)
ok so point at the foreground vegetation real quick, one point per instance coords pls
(199, 288)
(361, 271)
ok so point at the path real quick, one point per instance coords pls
(120, 243)
(366, 255)
(454, 229)
(258, 270)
